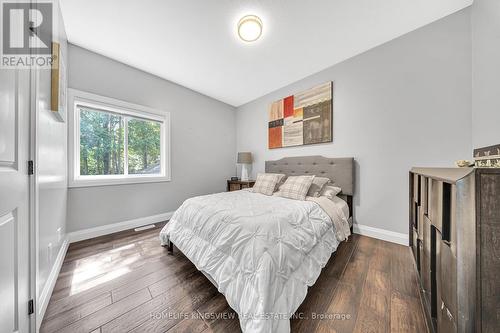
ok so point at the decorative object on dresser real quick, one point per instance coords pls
(487, 157)
(455, 238)
(236, 185)
(464, 164)
(245, 159)
(302, 119)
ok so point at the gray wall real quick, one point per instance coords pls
(405, 103)
(202, 140)
(486, 72)
(51, 169)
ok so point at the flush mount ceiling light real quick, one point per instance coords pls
(250, 28)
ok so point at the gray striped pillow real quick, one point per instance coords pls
(317, 185)
(295, 187)
(266, 183)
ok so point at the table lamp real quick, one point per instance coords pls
(245, 159)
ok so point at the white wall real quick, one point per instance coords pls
(51, 159)
(202, 139)
(486, 72)
(405, 103)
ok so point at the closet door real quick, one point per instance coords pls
(14, 200)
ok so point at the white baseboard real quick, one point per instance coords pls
(107, 229)
(43, 301)
(386, 235)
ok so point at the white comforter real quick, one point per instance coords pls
(262, 251)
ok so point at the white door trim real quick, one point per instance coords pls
(50, 283)
(35, 321)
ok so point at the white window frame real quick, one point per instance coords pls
(125, 109)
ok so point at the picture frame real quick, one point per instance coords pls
(58, 96)
(304, 118)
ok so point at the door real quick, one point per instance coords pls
(14, 200)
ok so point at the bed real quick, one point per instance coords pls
(263, 252)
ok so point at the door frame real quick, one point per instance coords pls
(33, 196)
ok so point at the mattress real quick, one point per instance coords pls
(262, 252)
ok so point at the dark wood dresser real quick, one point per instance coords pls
(235, 185)
(455, 238)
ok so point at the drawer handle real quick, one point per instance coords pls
(450, 317)
(446, 242)
(448, 313)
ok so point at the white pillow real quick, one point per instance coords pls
(330, 191)
(266, 183)
(295, 187)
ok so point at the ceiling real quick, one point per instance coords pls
(194, 42)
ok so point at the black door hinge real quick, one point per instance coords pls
(31, 168)
(31, 307)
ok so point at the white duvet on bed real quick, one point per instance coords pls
(262, 251)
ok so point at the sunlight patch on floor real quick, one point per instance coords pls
(95, 270)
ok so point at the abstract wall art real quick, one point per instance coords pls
(302, 119)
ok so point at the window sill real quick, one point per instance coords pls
(110, 181)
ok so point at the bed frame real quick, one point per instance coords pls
(340, 171)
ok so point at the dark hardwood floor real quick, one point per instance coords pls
(127, 282)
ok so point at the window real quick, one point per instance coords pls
(115, 142)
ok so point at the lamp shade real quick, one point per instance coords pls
(245, 158)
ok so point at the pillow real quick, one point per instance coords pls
(266, 183)
(281, 182)
(295, 187)
(316, 186)
(330, 191)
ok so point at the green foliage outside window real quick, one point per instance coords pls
(143, 146)
(102, 146)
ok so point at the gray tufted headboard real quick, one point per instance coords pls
(339, 170)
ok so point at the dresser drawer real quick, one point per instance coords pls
(420, 222)
(424, 195)
(416, 187)
(447, 279)
(415, 246)
(235, 185)
(425, 256)
(435, 204)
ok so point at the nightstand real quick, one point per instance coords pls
(235, 185)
